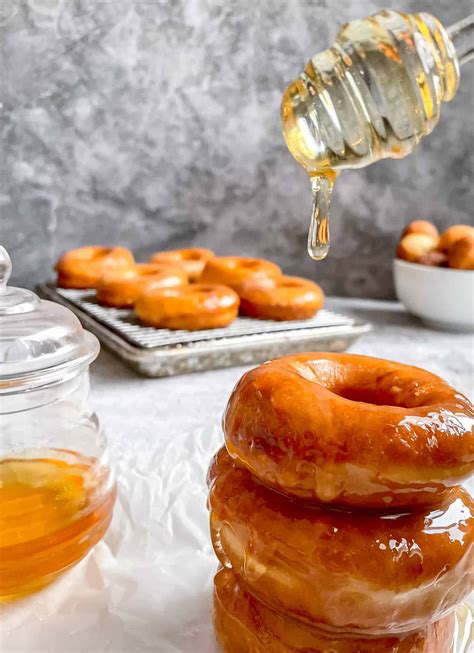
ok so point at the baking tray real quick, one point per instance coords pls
(161, 352)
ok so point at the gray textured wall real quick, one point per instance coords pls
(155, 123)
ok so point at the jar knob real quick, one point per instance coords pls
(5, 269)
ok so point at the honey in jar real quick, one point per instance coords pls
(57, 491)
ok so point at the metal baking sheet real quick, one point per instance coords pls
(161, 352)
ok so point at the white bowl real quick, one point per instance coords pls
(443, 298)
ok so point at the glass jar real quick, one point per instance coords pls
(56, 488)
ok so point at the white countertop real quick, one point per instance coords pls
(147, 587)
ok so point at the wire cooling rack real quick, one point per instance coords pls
(161, 352)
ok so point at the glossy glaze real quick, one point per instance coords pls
(348, 571)
(52, 512)
(351, 430)
(233, 271)
(288, 298)
(122, 288)
(191, 260)
(245, 625)
(195, 306)
(83, 267)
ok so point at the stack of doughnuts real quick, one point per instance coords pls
(337, 511)
(189, 288)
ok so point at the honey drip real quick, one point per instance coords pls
(53, 510)
(374, 94)
(318, 235)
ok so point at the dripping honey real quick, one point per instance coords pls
(53, 510)
(374, 94)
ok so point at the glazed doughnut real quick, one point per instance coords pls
(351, 430)
(452, 234)
(371, 573)
(287, 298)
(192, 307)
(413, 246)
(245, 625)
(461, 253)
(83, 267)
(421, 227)
(121, 288)
(234, 271)
(192, 260)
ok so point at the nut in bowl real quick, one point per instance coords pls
(436, 283)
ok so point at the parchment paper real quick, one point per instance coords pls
(147, 585)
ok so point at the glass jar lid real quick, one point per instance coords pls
(38, 339)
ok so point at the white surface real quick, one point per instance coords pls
(147, 586)
(436, 295)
